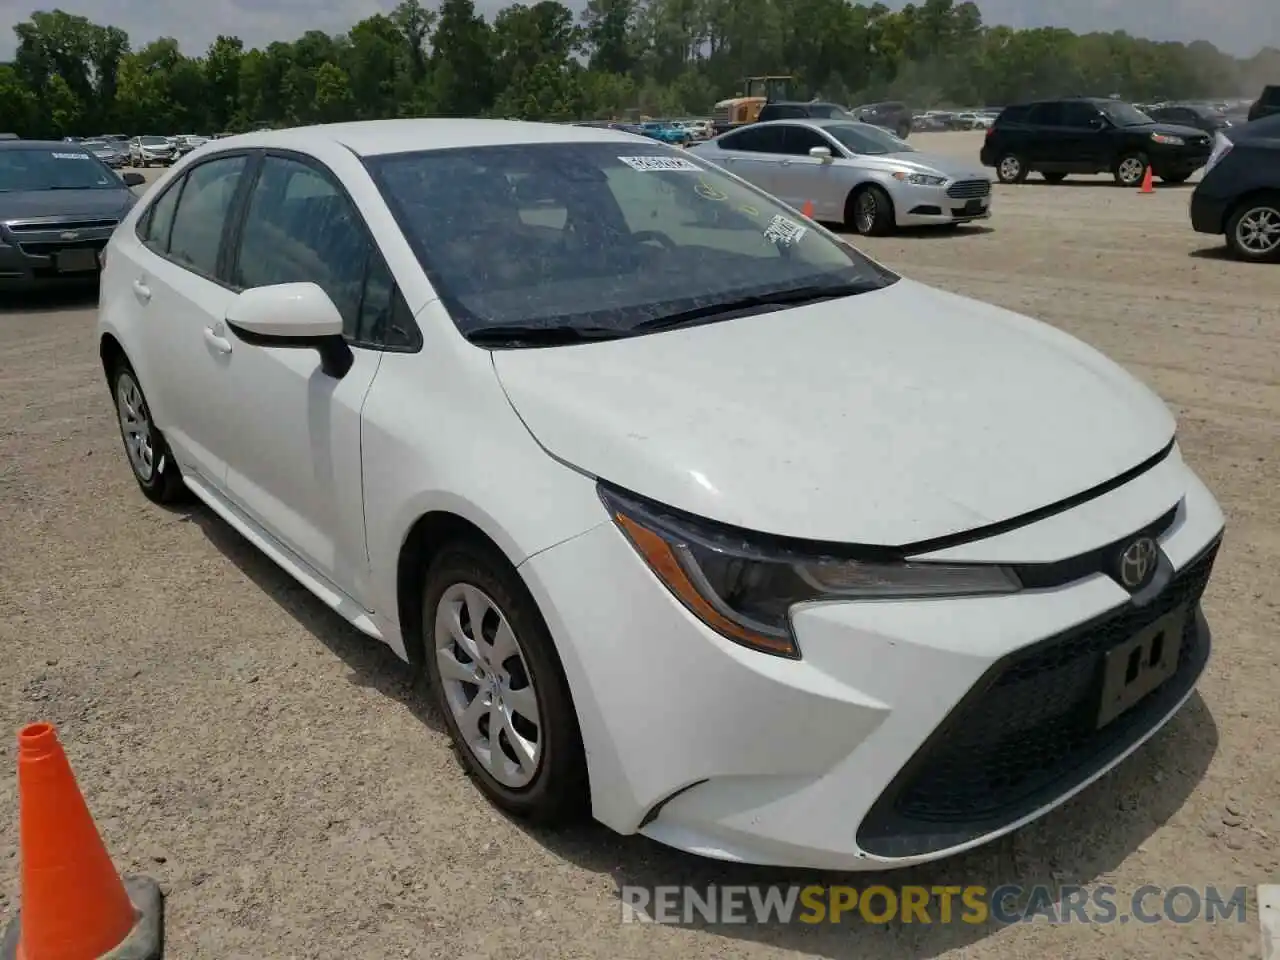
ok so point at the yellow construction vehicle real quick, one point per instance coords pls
(758, 91)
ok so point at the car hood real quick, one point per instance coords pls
(1167, 129)
(886, 418)
(923, 162)
(69, 203)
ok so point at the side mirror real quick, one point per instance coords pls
(821, 153)
(1098, 123)
(298, 315)
(133, 179)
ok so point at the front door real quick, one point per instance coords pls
(297, 467)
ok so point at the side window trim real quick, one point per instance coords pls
(241, 213)
(143, 225)
(181, 185)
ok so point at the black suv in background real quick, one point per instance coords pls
(1239, 195)
(891, 115)
(1190, 115)
(1267, 104)
(1082, 135)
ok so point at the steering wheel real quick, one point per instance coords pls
(644, 236)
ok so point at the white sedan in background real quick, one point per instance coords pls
(695, 518)
(853, 173)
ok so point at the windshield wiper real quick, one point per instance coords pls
(527, 334)
(782, 298)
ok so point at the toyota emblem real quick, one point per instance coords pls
(1138, 563)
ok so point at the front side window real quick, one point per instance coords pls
(53, 168)
(300, 227)
(864, 139)
(798, 141)
(602, 237)
(1078, 114)
(198, 222)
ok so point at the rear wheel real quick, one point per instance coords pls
(1130, 170)
(869, 211)
(153, 465)
(1011, 168)
(1054, 177)
(1253, 229)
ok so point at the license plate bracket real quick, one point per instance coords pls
(78, 260)
(1139, 665)
(975, 206)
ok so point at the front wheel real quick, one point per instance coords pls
(1011, 168)
(870, 211)
(1253, 230)
(492, 667)
(1131, 169)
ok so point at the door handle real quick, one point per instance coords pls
(141, 291)
(220, 344)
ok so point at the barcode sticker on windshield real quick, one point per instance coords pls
(784, 231)
(649, 164)
(71, 156)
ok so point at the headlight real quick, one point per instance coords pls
(744, 586)
(1169, 139)
(920, 179)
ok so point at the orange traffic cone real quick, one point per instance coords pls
(74, 904)
(807, 209)
(1147, 185)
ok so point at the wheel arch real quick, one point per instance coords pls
(111, 353)
(865, 183)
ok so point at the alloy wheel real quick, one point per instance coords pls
(1010, 167)
(865, 211)
(488, 685)
(135, 426)
(1131, 170)
(1258, 231)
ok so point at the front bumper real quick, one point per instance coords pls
(1208, 213)
(887, 744)
(35, 255)
(958, 202)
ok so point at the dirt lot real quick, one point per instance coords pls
(274, 771)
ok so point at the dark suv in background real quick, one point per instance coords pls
(1085, 136)
(797, 110)
(1267, 104)
(891, 115)
(1196, 115)
(1239, 195)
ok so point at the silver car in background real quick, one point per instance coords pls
(853, 173)
(113, 154)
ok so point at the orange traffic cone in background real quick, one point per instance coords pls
(807, 209)
(74, 904)
(1147, 185)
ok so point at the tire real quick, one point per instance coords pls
(904, 132)
(1175, 178)
(1011, 168)
(869, 211)
(551, 787)
(1054, 177)
(148, 455)
(1130, 169)
(1253, 229)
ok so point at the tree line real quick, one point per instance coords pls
(71, 76)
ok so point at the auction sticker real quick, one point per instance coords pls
(783, 231)
(655, 164)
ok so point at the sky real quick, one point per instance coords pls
(1241, 27)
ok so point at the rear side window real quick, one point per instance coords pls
(1016, 114)
(196, 234)
(755, 140)
(154, 227)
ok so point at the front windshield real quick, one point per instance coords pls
(1125, 114)
(45, 168)
(600, 236)
(862, 138)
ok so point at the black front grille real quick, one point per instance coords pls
(50, 247)
(968, 189)
(21, 227)
(1026, 733)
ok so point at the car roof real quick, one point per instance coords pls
(372, 138)
(815, 122)
(28, 144)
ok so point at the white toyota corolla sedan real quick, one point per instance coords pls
(697, 519)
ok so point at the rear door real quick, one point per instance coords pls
(1046, 140)
(175, 268)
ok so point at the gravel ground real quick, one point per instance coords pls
(277, 774)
